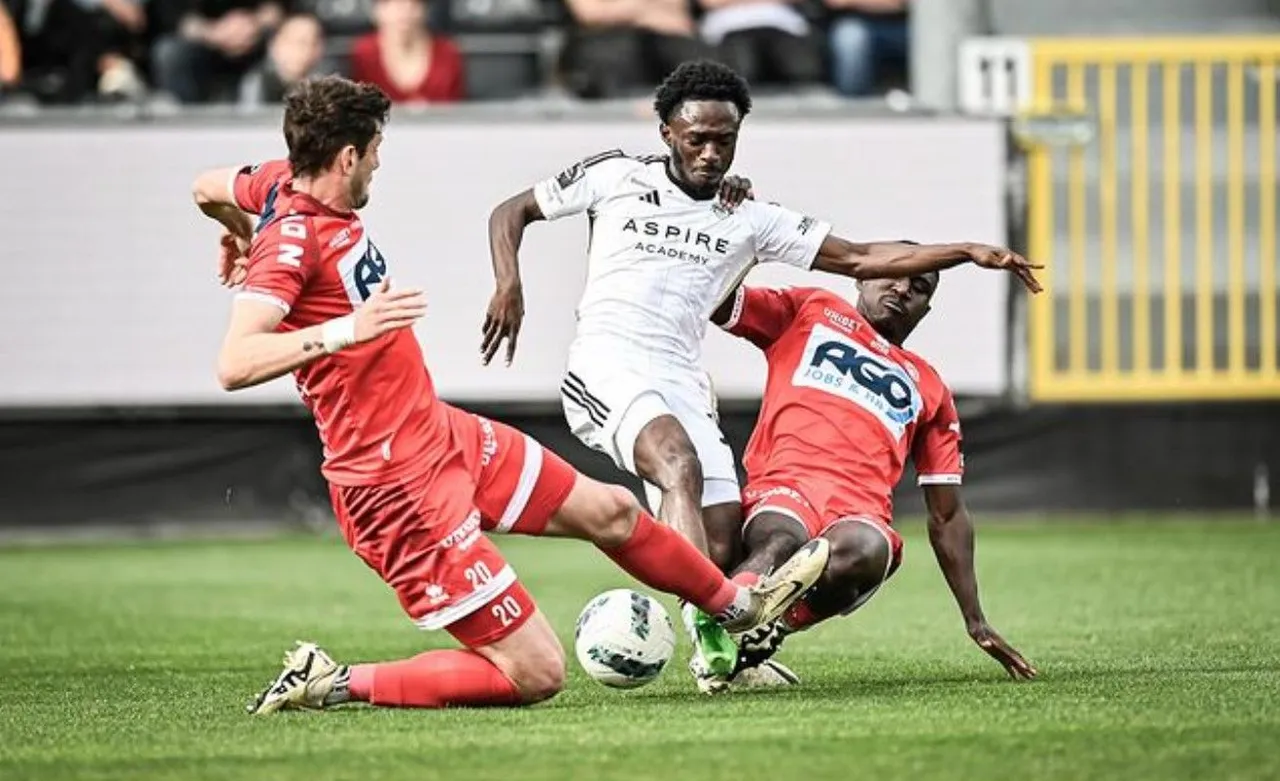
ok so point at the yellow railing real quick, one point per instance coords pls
(1159, 234)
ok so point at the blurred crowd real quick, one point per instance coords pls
(250, 51)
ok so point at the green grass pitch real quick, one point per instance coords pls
(1158, 646)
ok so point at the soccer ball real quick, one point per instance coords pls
(624, 639)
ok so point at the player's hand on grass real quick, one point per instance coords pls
(1008, 260)
(734, 190)
(388, 310)
(233, 259)
(502, 322)
(997, 648)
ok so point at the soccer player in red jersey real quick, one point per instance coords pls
(845, 406)
(415, 482)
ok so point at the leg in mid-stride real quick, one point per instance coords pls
(449, 575)
(864, 554)
(666, 433)
(704, 507)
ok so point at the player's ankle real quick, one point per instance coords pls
(341, 689)
(732, 603)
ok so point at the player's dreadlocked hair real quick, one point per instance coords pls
(323, 115)
(701, 80)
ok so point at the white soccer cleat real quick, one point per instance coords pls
(768, 674)
(707, 681)
(306, 682)
(782, 588)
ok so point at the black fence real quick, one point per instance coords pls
(143, 467)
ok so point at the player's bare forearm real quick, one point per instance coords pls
(251, 359)
(951, 535)
(506, 231)
(887, 260)
(235, 221)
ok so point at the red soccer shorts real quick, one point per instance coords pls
(424, 535)
(812, 507)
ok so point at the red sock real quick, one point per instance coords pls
(435, 679)
(660, 558)
(746, 579)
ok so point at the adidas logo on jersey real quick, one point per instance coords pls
(651, 197)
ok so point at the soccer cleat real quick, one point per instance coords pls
(707, 681)
(306, 682)
(759, 645)
(778, 591)
(767, 674)
(711, 643)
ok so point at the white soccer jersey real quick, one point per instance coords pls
(659, 261)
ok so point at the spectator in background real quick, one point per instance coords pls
(294, 53)
(73, 50)
(404, 59)
(766, 41)
(213, 44)
(620, 46)
(10, 52)
(865, 35)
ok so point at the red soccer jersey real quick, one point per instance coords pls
(842, 405)
(374, 403)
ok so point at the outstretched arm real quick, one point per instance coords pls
(951, 535)
(506, 309)
(900, 259)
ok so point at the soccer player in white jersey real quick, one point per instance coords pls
(664, 252)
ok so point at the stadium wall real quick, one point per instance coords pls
(109, 411)
(115, 265)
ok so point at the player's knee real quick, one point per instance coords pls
(722, 552)
(615, 518)
(540, 678)
(681, 469)
(666, 457)
(776, 534)
(860, 554)
(536, 666)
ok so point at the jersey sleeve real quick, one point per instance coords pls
(936, 450)
(251, 185)
(784, 236)
(281, 261)
(761, 315)
(581, 186)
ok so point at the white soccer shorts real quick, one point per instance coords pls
(607, 406)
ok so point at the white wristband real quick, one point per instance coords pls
(338, 333)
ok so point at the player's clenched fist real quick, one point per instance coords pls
(1000, 258)
(387, 309)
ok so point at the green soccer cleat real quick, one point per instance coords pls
(711, 642)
